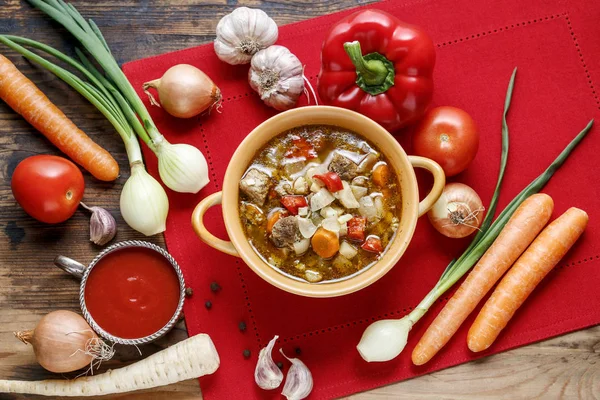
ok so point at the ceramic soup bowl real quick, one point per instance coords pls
(383, 141)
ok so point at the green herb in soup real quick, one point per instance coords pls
(319, 203)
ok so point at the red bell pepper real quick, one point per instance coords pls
(356, 228)
(293, 203)
(372, 244)
(331, 180)
(377, 65)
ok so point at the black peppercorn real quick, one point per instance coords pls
(242, 326)
(208, 304)
(246, 353)
(215, 287)
(189, 292)
(280, 365)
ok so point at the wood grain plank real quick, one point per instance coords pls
(30, 286)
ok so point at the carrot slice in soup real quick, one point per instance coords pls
(325, 243)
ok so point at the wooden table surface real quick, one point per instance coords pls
(564, 367)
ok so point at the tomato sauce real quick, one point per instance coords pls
(132, 292)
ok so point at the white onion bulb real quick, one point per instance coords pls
(144, 203)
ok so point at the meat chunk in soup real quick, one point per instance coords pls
(285, 232)
(255, 185)
(284, 187)
(343, 166)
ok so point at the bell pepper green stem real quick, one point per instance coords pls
(374, 72)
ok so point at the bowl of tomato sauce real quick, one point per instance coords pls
(131, 293)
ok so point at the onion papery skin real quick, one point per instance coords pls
(458, 212)
(184, 91)
(59, 341)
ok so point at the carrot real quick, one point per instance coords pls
(542, 255)
(381, 175)
(521, 229)
(325, 243)
(191, 358)
(27, 100)
(273, 218)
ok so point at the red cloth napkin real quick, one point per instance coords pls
(555, 44)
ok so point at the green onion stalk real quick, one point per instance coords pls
(182, 167)
(144, 203)
(384, 340)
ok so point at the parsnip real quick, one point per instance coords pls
(191, 358)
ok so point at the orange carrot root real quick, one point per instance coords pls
(542, 255)
(27, 100)
(522, 228)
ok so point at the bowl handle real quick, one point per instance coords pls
(439, 181)
(207, 237)
(70, 266)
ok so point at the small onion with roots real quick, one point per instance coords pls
(458, 212)
(184, 91)
(64, 342)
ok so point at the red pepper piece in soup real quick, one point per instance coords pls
(293, 202)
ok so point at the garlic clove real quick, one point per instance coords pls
(103, 226)
(267, 374)
(299, 380)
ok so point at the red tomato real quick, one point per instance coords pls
(49, 188)
(448, 136)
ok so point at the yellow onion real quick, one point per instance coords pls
(458, 212)
(184, 91)
(64, 342)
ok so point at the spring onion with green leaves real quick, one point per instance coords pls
(182, 167)
(385, 339)
(144, 203)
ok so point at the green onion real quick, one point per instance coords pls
(385, 339)
(182, 167)
(103, 101)
(144, 203)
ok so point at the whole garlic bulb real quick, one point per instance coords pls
(278, 77)
(242, 33)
